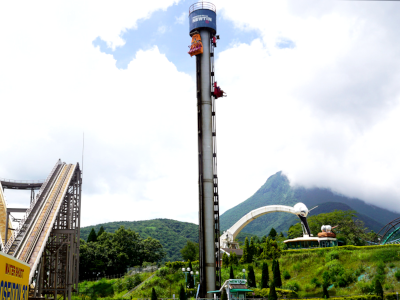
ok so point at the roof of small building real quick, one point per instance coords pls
(239, 252)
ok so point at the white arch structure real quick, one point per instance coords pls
(229, 236)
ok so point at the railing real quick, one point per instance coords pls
(202, 5)
(17, 230)
(21, 181)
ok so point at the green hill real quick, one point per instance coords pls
(277, 190)
(171, 234)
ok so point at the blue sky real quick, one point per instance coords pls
(309, 93)
(167, 30)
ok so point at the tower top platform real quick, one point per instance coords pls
(202, 15)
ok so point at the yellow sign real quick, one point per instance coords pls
(14, 278)
(197, 46)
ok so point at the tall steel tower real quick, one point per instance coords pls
(203, 28)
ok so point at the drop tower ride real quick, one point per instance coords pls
(203, 29)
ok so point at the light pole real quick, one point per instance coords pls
(244, 273)
(186, 272)
(194, 276)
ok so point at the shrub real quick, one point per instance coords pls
(315, 282)
(346, 278)
(308, 287)
(397, 274)
(388, 286)
(360, 270)
(391, 265)
(130, 283)
(293, 285)
(335, 269)
(365, 287)
(286, 274)
(332, 255)
(162, 272)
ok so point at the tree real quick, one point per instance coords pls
(233, 259)
(152, 250)
(190, 251)
(101, 230)
(224, 295)
(272, 292)
(271, 249)
(225, 260)
(281, 235)
(378, 289)
(252, 250)
(182, 294)
(272, 233)
(190, 280)
(92, 236)
(251, 279)
(277, 273)
(325, 284)
(264, 275)
(231, 275)
(245, 256)
(153, 294)
(348, 226)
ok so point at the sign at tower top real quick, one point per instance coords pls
(203, 18)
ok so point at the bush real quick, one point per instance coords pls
(391, 265)
(315, 282)
(397, 274)
(365, 287)
(162, 272)
(360, 270)
(346, 278)
(286, 274)
(332, 255)
(293, 285)
(130, 283)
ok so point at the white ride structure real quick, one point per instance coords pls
(300, 209)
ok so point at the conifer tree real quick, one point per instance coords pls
(325, 284)
(231, 275)
(264, 275)
(233, 259)
(252, 250)
(92, 236)
(101, 230)
(182, 294)
(251, 278)
(224, 296)
(378, 289)
(225, 260)
(272, 234)
(277, 275)
(190, 280)
(245, 256)
(272, 292)
(153, 294)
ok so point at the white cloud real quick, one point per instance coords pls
(324, 112)
(181, 19)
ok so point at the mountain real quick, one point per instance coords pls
(171, 234)
(277, 190)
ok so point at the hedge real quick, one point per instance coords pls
(179, 264)
(347, 247)
(263, 293)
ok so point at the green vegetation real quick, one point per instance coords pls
(343, 271)
(113, 253)
(350, 230)
(277, 191)
(172, 234)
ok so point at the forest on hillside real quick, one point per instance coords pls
(172, 234)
